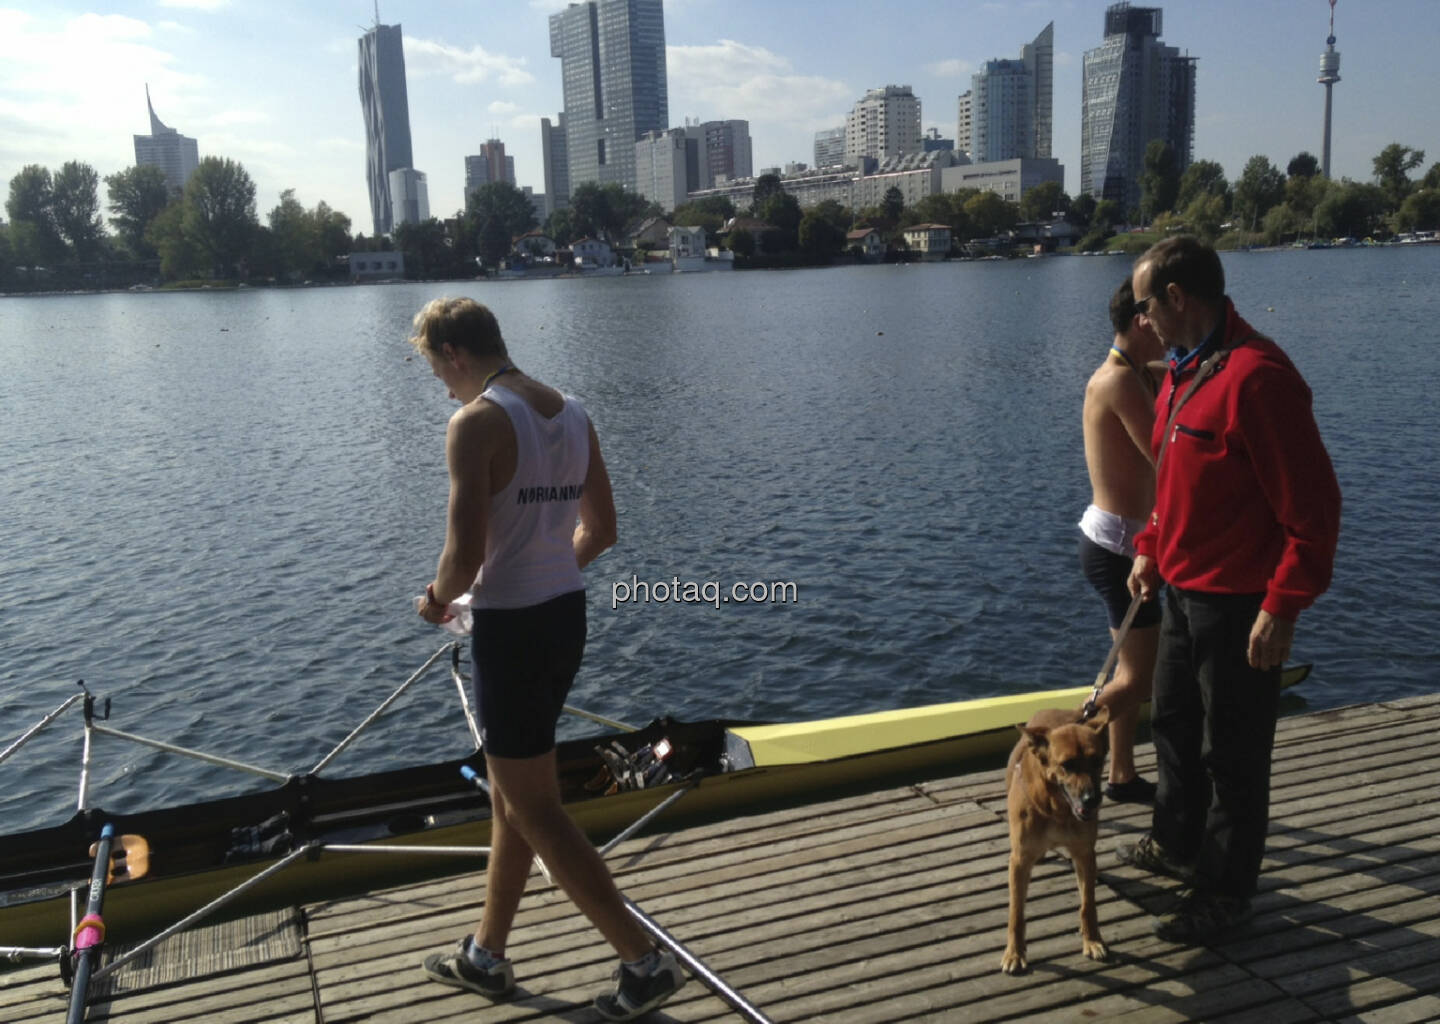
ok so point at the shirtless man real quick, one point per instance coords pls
(1119, 417)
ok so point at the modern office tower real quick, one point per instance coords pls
(554, 155)
(830, 147)
(612, 60)
(667, 167)
(175, 154)
(409, 197)
(1135, 89)
(724, 149)
(1329, 75)
(488, 167)
(964, 122)
(883, 125)
(1010, 106)
(1039, 57)
(386, 106)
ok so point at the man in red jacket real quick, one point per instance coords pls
(1243, 533)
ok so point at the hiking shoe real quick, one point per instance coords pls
(636, 996)
(1148, 855)
(1201, 918)
(1136, 791)
(495, 981)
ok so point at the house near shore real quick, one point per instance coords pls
(533, 245)
(376, 266)
(868, 241)
(931, 241)
(590, 253)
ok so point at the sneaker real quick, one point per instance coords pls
(1148, 855)
(636, 996)
(1201, 918)
(495, 981)
(1136, 791)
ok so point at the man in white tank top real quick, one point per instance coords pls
(530, 506)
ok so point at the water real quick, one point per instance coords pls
(218, 506)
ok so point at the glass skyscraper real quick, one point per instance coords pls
(1135, 90)
(176, 155)
(612, 62)
(1009, 111)
(386, 106)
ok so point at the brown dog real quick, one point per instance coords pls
(1053, 788)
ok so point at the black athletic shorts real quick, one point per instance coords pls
(525, 661)
(1108, 573)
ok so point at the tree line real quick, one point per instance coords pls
(56, 238)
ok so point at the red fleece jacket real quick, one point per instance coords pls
(1246, 499)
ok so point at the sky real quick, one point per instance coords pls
(273, 84)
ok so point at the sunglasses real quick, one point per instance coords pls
(1143, 305)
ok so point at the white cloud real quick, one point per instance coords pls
(952, 68)
(424, 56)
(730, 79)
(195, 5)
(502, 107)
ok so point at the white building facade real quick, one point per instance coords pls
(885, 124)
(409, 196)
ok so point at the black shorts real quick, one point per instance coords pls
(525, 661)
(1108, 573)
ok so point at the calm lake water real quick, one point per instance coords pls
(218, 506)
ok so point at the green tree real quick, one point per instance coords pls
(75, 202)
(1082, 210)
(696, 215)
(892, 204)
(1260, 187)
(782, 212)
(427, 247)
(1160, 179)
(1420, 211)
(1302, 165)
(766, 186)
(604, 210)
(1350, 209)
(1432, 177)
(741, 242)
(835, 213)
(219, 215)
(1204, 216)
(180, 257)
(1043, 201)
(137, 195)
(1202, 178)
(34, 237)
(819, 236)
(1393, 165)
(294, 241)
(505, 202)
(332, 229)
(494, 241)
(558, 227)
(990, 214)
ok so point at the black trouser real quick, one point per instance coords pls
(1213, 722)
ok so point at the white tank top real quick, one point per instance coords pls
(529, 543)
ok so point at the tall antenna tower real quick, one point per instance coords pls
(1329, 75)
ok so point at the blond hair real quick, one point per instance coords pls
(460, 323)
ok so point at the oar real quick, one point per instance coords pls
(89, 935)
(707, 977)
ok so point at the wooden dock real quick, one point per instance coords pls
(888, 906)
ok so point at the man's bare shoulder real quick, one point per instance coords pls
(478, 423)
(1106, 382)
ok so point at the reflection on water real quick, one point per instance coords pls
(220, 504)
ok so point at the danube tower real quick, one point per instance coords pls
(1329, 75)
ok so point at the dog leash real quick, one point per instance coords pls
(1092, 705)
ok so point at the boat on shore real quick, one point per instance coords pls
(299, 841)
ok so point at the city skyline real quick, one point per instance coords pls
(72, 81)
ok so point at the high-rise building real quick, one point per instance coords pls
(724, 150)
(409, 197)
(964, 123)
(555, 156)
(612, 61)
(1329, 75)
(883, 125)
(667, 167)
(1009, 111)
(830, 147)
(1135, 90)
(386, 106)
(489, 166)
(175, 154)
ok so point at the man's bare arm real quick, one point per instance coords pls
(596, 529)
(470, 442)
(1135, 409)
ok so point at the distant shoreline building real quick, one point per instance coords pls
(724, 150)
(386, 106)
(883, 125)
(1008, 112)
(555, 155)
(1135, 90)
(409, 197)
(830, 147)
(612, 62)
(176, 155)
(489, 166)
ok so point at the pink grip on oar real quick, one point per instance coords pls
(89, 932)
